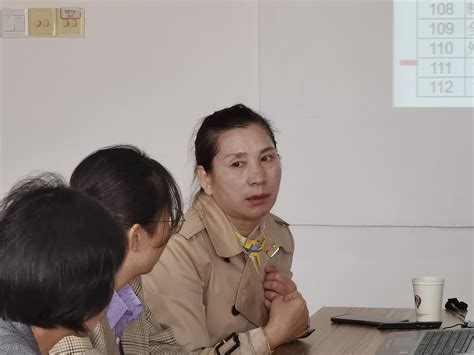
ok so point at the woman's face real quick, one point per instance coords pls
(246, 174)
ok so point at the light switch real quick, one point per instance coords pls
(8, 24)
(70, 22)
(42, 22)
(13, 23)
(19, 23)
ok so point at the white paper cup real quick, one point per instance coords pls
(428, 292)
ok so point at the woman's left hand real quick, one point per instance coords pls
(277, 284)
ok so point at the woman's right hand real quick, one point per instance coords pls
(289, 318)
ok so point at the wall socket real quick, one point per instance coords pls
(42, 22)
(70, 22)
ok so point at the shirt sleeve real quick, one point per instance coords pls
(253, 342)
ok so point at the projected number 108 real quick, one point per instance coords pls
(442, 8)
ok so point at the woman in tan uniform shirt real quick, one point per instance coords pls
(224, 279)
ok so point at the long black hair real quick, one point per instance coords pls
(131, 185)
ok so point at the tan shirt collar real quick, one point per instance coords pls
(221, 230)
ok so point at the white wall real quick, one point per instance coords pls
(148, 70)
(147, 85)
(374, 266)
(326, 79)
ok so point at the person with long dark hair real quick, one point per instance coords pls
(145, 200)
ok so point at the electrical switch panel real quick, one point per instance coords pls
(42, 22)
(13, 23)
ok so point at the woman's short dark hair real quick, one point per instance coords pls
(237, 116)
(59, 252)
(132, 186)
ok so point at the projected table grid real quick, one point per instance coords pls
(445, 48)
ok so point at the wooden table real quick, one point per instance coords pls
(339, 339)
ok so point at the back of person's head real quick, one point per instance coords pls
(59, 253)
(237, 116)
(133, 187)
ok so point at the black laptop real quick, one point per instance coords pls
(449, 341)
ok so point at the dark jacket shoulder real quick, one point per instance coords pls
(17, 338)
